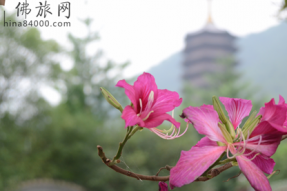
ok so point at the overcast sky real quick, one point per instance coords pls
(145, 32)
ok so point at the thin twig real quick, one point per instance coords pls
(212, 174)
(167, 167)
(233, 177)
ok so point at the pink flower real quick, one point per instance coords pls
(252, 146)
(149, 104)
(162, 186)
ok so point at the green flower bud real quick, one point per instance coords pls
(249, 120)
(111, 99)
(222, 117)
(218, 108)
(225, 133)
(251, 126)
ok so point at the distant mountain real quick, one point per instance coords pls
(262, 59)
(169, 72)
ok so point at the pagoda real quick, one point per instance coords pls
(202, 52)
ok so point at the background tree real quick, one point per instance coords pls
(27, 62)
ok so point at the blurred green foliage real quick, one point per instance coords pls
(41, 141)
(284, 6)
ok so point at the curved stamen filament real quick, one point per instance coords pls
(246, 159)
(175, 133)
(147, 115)
(243, 146)
(253, 150)
(227, 152)
(238, 152)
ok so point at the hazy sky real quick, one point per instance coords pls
(146, 32)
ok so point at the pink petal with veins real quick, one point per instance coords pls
(143, 86)
(205, 141)
(166, 101)
(265, 128)
(156, 120)
(266, 146)
(236, 108)
(253, 174)
(129, 91)
(275, 115)
(263, 162)
(205, 120)
(193, 163)
(131, 117)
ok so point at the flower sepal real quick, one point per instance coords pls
(234, 163)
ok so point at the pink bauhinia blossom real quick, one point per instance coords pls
(150, 105)
(251, 146)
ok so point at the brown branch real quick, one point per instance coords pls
(284, 137)
(128, 173)
(213, 173)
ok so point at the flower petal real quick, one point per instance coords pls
(266, 146)
(265, 163)
(131, 117)
(166, 101)
(237, 109)
(281, 100)
(265, 128)
(143, 87)
(275, 115)
(193, 163)
(162, 186)
(253, 173)
(205, 120)
(129, 91)
(205, 141)
(155, 120)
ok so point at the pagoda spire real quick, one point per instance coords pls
(209, 19)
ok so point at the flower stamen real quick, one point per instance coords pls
(164, 133)
(147, 115)
(141, 107)
(253, 150)
(150, 101)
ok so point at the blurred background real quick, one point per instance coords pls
(52, 115)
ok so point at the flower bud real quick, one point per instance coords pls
(225, 133)
(249, 120)
(111, 99)
(222, 117)
(219, 110)
(162, 186)
(251, 126)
